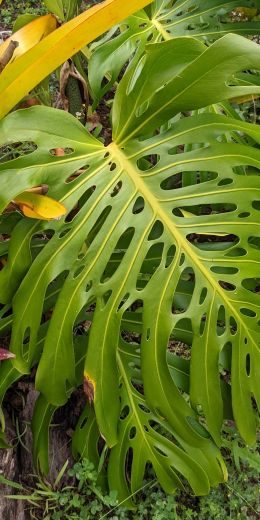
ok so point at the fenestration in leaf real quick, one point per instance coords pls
(161, 21)
(125, 246)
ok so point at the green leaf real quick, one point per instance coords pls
(127, 206)
(44, 411)
(163, 20)
(56, 7)
(156, 98)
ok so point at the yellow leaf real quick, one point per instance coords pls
(29, 69)
(39, 206)
(29, 35)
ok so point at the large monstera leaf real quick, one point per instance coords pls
(163, 20)
(133, 253)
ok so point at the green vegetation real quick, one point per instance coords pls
(133, 285)
(81, 496)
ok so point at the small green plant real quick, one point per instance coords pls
(83, 495)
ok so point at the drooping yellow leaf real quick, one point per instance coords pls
(29, 35)
(40, 207)
(21, 76)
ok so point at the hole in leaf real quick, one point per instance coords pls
(221, 320)
(150, 264)
(203, 295)
(224, 270)
(64, 232)
(116, 189)
(248, 364)
(123, 301)
(232, 325)
(76, 175)
(225, 182)
(124, 413)
(254, 242)
(88, 286)
(96, 228)
(131, 337)
(106, 297)
(79, 271)
(236, 251)
(248, 312)
(147, 162)
(118, 254)
(132, 432)
(182, 179)
(26, 336)
(81, 202)
(83, 423)
(138, 206)
(61, 151)
(11, 151)
(184, 291)
(227, 285)
(112, 167)
(170, 256)
(128, 463)
(252, 285)
(256, 204)
(144, 408)
(160, 451)
(105, 81)
(182, 259)
(183, 333)
(244, 215)
(203, 324)
(137, 386)
(204, 209)
(156, 231)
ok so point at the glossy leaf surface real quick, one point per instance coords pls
(163, 20)
(29, 35)
(130, 249)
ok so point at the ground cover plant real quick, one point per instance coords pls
(137, 275)
(81, 496)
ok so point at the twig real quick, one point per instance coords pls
(8, 54)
